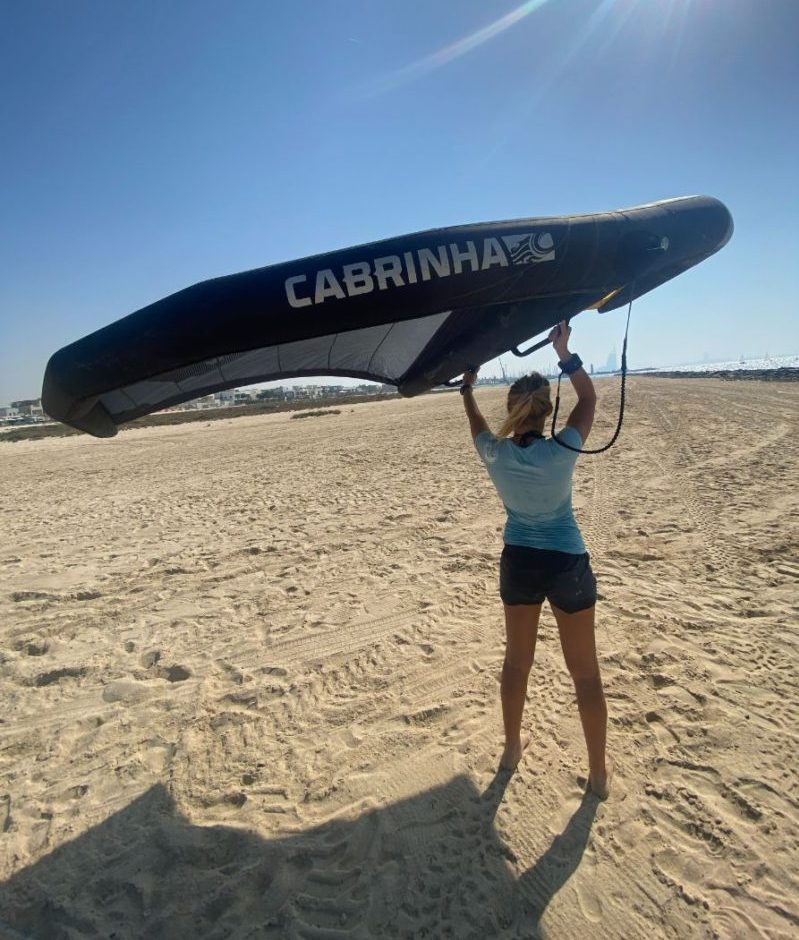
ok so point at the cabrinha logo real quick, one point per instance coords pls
(423, 264)
(530, 248)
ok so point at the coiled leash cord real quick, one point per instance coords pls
(616, 433)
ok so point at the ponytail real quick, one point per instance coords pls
(528, 400)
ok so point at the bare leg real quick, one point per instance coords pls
(521, 629)
(579, 650)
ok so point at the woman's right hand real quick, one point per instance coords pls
(559, 337)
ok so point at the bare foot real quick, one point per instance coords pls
(512, 755)
(600, 785)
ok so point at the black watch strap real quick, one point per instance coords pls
(572, 364)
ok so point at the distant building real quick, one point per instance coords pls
(28, 411)
(207, 401)
(30, 408)
(266, 394)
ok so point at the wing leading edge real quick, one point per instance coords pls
(413, 312)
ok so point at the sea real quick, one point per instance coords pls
(755, 365)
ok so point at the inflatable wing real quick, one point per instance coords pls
(413, 311)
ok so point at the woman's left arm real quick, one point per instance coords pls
(477, 423)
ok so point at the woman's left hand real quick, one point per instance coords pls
(470, 377)
(559, 337)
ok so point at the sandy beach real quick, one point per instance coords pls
(249, 680)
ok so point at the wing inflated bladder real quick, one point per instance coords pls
(412, 311)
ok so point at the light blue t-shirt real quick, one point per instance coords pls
(535, 484)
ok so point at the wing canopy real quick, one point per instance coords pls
(413, 312)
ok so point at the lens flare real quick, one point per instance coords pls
(455, 50)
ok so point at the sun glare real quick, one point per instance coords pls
(455, 50)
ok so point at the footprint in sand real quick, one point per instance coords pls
(32, 647)
(174, 673)
(158, 756)
(587, 897)
(56, 675)
(20, 597)
(665, 736)
(126, 692)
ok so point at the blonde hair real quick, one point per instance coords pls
(528, 404)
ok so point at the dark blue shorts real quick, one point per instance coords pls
(528, 575)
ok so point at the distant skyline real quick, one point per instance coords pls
(151, 146)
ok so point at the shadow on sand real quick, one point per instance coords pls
(429, 866)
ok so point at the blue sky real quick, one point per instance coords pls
(151, 145)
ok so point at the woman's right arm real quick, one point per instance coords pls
(582, 415)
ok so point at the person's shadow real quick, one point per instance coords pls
(428, 866)
(539, 884)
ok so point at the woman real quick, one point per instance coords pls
(544, 555)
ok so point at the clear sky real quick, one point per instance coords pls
(147, 146)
